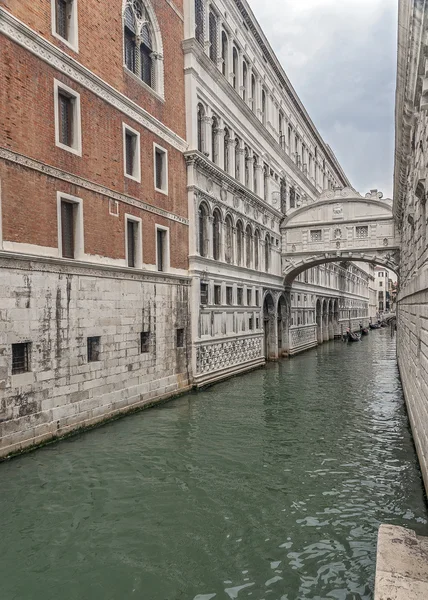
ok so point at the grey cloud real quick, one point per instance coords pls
(341, 59)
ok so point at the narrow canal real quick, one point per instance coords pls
(270, 487)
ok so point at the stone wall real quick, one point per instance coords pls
(56, 308)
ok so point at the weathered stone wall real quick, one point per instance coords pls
(56, 308)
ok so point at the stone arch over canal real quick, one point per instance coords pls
(340, 226)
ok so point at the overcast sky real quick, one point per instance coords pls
(340, 56)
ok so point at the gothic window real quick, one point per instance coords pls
(139, 43)
(199, 21)
(214, 140)
(253, 92)
(201, 125)
(203, 230)
(249, 246)
(224, 53)
(226, 149)
(267, 253)
(264, 107)
(213, 36)
(237, 159)
(239, 242)
(244, 80)
(266, 182)
(216, 234)
(229, 240)
(255, 182)
(247, 167)
(256, 249)
(235, 68)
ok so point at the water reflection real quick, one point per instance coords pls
(269, 486)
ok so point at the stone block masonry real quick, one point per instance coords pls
(55, 312)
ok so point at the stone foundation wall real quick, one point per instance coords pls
(56, 307)
(412, 354)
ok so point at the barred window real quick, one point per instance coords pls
(199, 21)
(21, 358)
(213, 36)
(144, 342)
(316, 235)
(94, 348)
(362, 232)
(66, 116)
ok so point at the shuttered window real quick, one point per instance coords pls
(132, 239)
(67, 229)
(65, 105)
(130, 142)
(159, 169)
(160, 240)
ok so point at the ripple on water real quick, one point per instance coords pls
(268, 486)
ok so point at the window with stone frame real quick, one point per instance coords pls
(140, 46)
(256, 249)
(21, 358)
(224, 53)
(235, 60)
(213, 33)
(362, 232)
(216, 234)
(214, 140)
(239, 243)
(244, 80)
(217, 295)
(204, 293)
(229, 295)
(249, 246)
(64, 22)
(199, 21)
(240, 296)
(201, 127)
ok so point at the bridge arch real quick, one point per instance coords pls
(340, 226)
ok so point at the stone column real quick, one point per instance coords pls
(208, 132)
(259, 176)
(250, 168)
(220, 142)
(241, 158)
(232, 155)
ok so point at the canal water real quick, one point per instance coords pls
(270, 486)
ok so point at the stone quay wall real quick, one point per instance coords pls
(56, 308)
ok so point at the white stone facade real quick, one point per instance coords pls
(56, 309)
(410, 199)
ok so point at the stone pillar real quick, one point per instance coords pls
(259, 176)
(241, 158)
(220, 142)
(250, 168)
(232, 142)
(208, 133)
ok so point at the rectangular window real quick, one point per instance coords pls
(240, 297)
(249, 297)
(380, 283)
(362, 232)
(132, 242)
(251, 323)
(161, 249)
(257, 323)
(217, 295)
(257, 298)
(131, 153)
(161, 169)
(70, 226)
(180, 338)
(316, 235)
(94, 349)
(204, 294)
(21, 358)
(144, 342)
(65, 119)
(229, 296)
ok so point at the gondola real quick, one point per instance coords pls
(364, 331)
(353, 337)
(374, 326)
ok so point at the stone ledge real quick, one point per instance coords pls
(402, 565)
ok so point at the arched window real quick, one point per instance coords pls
(256, 249)
(203, 230)
(146, 51)
(249, 246)
(214, 140)
(235, 68)
(255, 182)
(201, 126)
(266, 182)
(140, 44)
(289, 138)
(228, 249)
(224, 53)
(213, 36)
(216, 234)
(226, 149)
(244, 80)
(253, 92)
(247, 167)
(239, 243)
(267, 253)
(237, 159)
(199, 21)
(263, 107)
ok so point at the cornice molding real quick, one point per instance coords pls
(29, 163)
(21, 34)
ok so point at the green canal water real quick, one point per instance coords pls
(270, 486)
